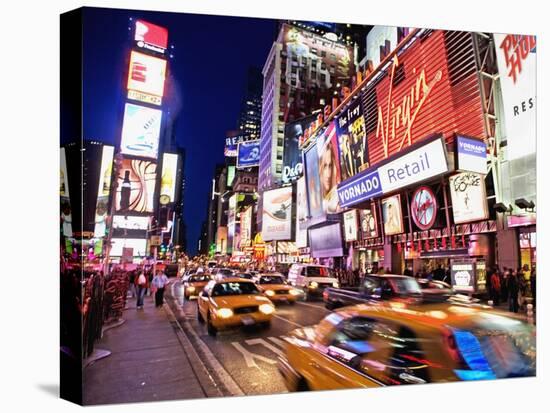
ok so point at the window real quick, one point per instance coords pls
(323, 53)
(279, 169)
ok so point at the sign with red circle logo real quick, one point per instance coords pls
(424, 207)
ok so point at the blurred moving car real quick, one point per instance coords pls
(275, 287)
(381, 345)
(195, 284)
(232, 302)
(372, 289)
(246, 275)
(186, 275)
(312, 279)
(224, 272)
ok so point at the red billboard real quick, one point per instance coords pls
(432, 87)
(148, 34)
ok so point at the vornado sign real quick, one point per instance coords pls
(422, 163)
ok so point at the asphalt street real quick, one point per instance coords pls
(248, 355)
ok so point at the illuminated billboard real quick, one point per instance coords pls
(103, 191)
(146, 76)
(277, 214)
(517, 67)
(301, 213)
(352, 140)
(66, 216)
(468, 197)
(137, 245)
(246, 227)
(140, 131)
(329, 169)
(350, 225)
(136, 186)
(248, 154)
(127, 226)
(393, 217)
(168, 177)
(150, 36)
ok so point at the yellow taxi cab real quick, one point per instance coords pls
(393, 344)
(274, 287)
(231, 302)
(194, 284)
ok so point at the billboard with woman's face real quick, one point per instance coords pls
(313, 184)
(329, 169)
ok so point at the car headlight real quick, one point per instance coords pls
(270, 293)
(190, 288)
(224, 312)
(294, 292)
(267, 309)
(335, 285)
(313, 284)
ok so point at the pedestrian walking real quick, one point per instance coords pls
(132, 283)
(159, 283)
(504, 284)
(513, 290)
(495, 288)
(141, 284)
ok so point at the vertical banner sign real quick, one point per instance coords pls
(146, 77)
(103, 191)
(352, 141)
(231, 222)
(313, 182)
(329, 169)
(468, 197)
(301, 213)
(393, 217)
(246, 228)
(277, 214)
(350, 225)
(517, 66)
(169, 174)
(66, 216)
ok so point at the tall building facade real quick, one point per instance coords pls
(250, 117)
(302, 73)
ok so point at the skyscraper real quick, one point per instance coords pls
(251, 109)
(301, 74)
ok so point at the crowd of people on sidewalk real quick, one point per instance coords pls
(144, 282)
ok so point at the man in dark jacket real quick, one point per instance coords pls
(513, 289)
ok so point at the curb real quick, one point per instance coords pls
(206, 381)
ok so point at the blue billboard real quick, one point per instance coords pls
(248, 154)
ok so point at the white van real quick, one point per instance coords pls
(312, 279)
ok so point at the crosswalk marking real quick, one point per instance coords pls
(249, 356)
(277, 341)
(266, 344)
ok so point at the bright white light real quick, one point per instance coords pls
(267, 309)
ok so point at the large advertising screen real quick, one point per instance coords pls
(146, 77)
(326, 241)
(231, 222)
(301, 213)
(352, 141)
(169, 175)
(136, 186)
(392, 214)
(140, 131)
(232, 140)
(329, 169)
(137, 245)
(248, 154)
(277, 214)
(292, 156)
(468, 197)
(432, 86)
(103, 191)
(517, 66)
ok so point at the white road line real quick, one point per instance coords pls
(230, 384)
(264, 343)
(313, 306)
(277, 341)
(249, 357)
(288, 321)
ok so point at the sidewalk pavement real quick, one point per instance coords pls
(148, 361)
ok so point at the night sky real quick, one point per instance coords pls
(211, 58)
